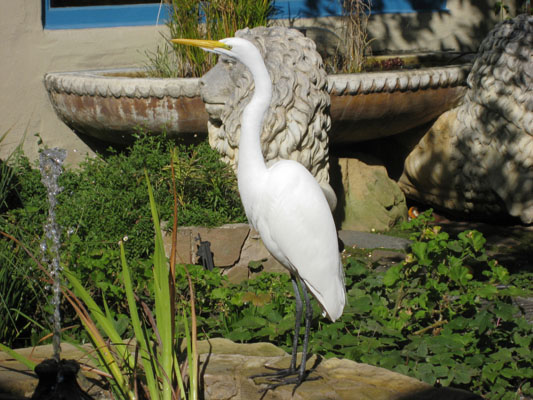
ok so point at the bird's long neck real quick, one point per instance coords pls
(251, 164)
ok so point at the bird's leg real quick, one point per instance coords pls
(283, 372)
(298, 316)
(282, 376)
(308, 317)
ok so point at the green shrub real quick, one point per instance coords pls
(104, 201)
(445, 315)
(21, 291)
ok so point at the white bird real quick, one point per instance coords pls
(287, 206)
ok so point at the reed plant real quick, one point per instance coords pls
(148, 366)
(356, 14)
(196, 19)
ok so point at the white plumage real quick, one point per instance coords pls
(285, 204)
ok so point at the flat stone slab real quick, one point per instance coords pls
(366, 240)
(226, 368)
(230, 365)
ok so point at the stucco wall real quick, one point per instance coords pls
(461, 28)
(27, 52)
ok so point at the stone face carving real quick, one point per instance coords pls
(297, 123)
(478, 157)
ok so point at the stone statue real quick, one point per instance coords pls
(478, 157)
(297, 124)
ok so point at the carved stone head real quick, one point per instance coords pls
(297, 124)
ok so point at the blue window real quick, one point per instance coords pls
(327, 8)
(69, 14)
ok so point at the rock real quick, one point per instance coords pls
(372, 201)
(367, 240)
(229, 367)
(226, 367)
(233, 247)
(226, 243)
(253, 250)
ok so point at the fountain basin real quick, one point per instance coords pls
(377, 104)
(111, 105)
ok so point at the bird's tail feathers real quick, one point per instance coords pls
(333, 301)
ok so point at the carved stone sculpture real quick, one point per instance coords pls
(297, 123)
(478, 157)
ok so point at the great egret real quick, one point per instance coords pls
(286, 205)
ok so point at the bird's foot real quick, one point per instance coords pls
(282, 377)
(276, 374)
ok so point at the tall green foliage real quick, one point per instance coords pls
(104, 201)
(155, 371)
(194, 19)
(18, 295)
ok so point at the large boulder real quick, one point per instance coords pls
(370, 200)
(233, 247)
(228, 366)
(225, 369)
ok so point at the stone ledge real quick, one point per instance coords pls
(234, 246)
(225, 369)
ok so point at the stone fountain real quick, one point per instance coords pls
(111, 104)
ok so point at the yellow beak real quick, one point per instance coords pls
(206, 44)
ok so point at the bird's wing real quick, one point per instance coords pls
(297, 227)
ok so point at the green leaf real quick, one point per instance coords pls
(505, 311)
(392, 275)
(348, 340)
(357, 269)
(268, 330)
(522, 341)
(419, 249)
(463, 374)
(487, 291)
(251, 322)
(425, 373)
(441, 371)
(422, 350)
(240, 335)
(219, 293)
(483, 320)
(455, 246)
(362, 305)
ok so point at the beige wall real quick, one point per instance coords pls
(27, 52)
(461, 28)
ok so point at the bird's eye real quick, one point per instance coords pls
(227, 61)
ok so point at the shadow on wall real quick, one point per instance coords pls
(420, 22)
